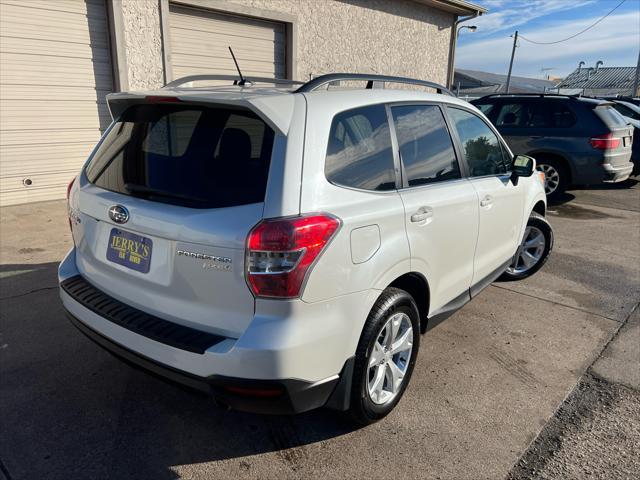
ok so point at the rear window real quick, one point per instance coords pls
(610, 116)
(192, 156)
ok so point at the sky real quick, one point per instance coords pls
(615, 40)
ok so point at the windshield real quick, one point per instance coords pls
(187, 155)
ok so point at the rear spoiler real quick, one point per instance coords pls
(275, 110)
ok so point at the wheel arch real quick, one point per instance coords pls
(540, 207)
(548, 154)
(416, 285)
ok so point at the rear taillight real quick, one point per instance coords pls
(69, 187)
(281, 251)
(605, 142)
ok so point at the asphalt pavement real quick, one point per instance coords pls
(491, 383)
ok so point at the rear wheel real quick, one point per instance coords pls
(556, 176)
(385, 356)
(533, 251)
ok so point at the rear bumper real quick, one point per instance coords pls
(297, 347)
(617, 173)
(258, 396)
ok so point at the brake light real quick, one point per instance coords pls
(162, 99)
(605, 142)
(281, 251)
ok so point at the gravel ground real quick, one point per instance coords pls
(595, 434)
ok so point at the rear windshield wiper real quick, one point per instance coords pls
(162, 193)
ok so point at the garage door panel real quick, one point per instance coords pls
(75, 136)
(203, 21)
(37, 46)
(200, 39)
(44, 186)
(53, 157)
(93, 8)
(55, 70)
(69, 121)
(41, 65)
(197, 61)
(218, 46)
(54, 94)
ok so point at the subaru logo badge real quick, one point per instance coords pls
(119, 214)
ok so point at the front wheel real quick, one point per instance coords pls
(385, 356)
(533, 251)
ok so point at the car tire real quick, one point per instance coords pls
(558, 174)
(394, 306)
(536, 224)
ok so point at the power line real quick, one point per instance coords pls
(579, 33)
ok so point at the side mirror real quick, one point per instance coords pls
(523, 166)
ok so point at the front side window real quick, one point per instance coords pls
(425, 146)
(359, 152)
(482, 150)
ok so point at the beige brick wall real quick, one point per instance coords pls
(391, 37)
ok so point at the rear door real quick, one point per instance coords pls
(441, 207)
(500, 202)
(165, 205)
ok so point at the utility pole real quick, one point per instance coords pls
(635, 91)
(513, 53)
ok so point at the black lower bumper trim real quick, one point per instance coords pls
(295, 396)
(142, 323)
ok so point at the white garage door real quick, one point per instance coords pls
(200, 39)
(55, 71)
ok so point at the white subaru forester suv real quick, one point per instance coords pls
(284, 249)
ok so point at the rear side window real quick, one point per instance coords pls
(185, 155)
(551, 114)
(561, 116)
(626, 111)
(610, 116)
(425, 146)
(482, 149)
(359, 153)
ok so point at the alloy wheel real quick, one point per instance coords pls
(529, 252)
(551, 178)
(389, 359)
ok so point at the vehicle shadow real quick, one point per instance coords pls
(71, 410)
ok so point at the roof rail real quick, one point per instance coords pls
(236, 80)
(318, 82)
(529, 94)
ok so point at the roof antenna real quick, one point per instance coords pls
(243, 81)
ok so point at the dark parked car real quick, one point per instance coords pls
(574, 140)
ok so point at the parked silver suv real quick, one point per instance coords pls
(283, 249)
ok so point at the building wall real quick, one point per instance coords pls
(397, 37)
(143, 44)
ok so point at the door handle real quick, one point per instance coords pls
(486, 201)
(423, 213)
